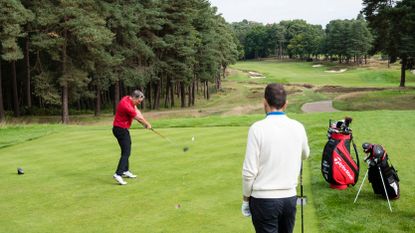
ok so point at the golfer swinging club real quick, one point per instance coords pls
(272, 165)
(127, 111)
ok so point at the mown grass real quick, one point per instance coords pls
(68, 186)
(15, 134)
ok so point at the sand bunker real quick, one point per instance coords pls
(255, 75)
(318, 65)
(336, 71)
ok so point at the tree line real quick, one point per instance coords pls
(86, 54)
(341, 40)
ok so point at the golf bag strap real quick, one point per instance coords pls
(357, 155)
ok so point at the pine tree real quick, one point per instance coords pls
(73, 35)
(13, 16)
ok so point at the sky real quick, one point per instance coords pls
(273, 11)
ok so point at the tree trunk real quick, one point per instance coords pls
(65, 108)
(16, 110)
(204, 90)
(98, 101)
(2, 114)
(193, 92)
(219, 82)
(403, 71)
(182, 95)
(148, 94)
(207, 90)
(156, 101)
(167, 97)
(189, 99)
(28, 89)
(172, 94)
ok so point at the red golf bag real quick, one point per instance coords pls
(337, 165)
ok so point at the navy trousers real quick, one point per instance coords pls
(124, 140)
(273, 215)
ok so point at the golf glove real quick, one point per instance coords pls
(245, 209)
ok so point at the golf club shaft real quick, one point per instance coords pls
(167, 139)
(302, 198)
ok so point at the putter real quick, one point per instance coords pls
(186, 148)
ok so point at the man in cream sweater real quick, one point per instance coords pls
(276, 145)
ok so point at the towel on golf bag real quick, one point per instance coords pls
(378, 161)
(337, 165)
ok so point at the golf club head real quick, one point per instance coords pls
(20, 171)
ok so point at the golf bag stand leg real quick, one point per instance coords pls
(361, 185)
(383, 182)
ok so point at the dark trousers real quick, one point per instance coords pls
(124, 140)
(274, 215)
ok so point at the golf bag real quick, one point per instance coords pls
(377, 160)
(338, 167)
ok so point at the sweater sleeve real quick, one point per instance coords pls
(305, 148)
(251, 163)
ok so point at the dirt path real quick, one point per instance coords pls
(320, 106)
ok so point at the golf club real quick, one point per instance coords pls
(302, 198)
(185, 149)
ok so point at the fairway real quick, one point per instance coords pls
(68, 185)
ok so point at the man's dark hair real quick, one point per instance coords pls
(137, 94)
(275, 95)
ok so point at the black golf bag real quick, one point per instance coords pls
(337, 165)
(377, 159)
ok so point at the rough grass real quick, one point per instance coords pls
(68, 186)
(387, 99)
(335, 208)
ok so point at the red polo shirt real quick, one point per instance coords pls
(125, 113)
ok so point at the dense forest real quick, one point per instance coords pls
(62, 55)
(73, 55)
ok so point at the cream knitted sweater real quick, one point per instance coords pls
(274, 151)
